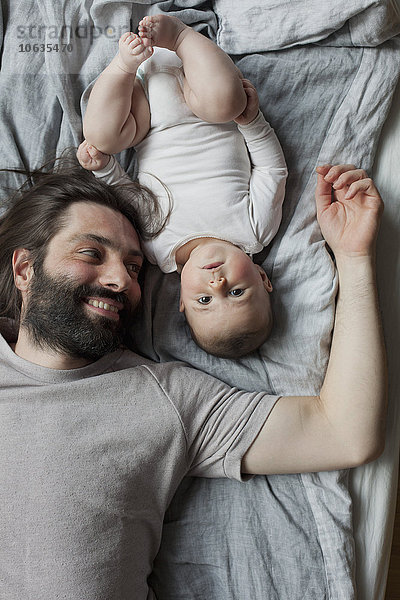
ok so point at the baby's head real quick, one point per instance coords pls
(225, 298)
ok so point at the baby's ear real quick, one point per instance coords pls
(181, 305)
(264, 277)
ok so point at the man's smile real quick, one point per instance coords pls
(105, 306)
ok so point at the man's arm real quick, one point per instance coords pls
(345, 425)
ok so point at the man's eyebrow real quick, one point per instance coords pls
(82, 237)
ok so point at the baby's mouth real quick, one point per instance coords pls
(213, 265)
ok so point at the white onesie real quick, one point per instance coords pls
(214, 188)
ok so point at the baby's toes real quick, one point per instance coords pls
(124, 37)
(146, 40)
(128, 41)
(134, 42)
(145, 24)
(145, 32)
(148, 51)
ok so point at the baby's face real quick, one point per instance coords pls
(222, 287)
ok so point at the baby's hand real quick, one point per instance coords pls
(251, 110)
(90, 158)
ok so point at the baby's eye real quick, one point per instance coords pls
(236, 292)
(204, 299)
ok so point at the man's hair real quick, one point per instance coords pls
(233, 344)
(36, 213)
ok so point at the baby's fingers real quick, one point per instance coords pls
(94, 153)
(82, 153)
(247, 84)
(249, 87)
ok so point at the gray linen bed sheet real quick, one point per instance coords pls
(326, 93)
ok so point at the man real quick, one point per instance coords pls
(95, 439)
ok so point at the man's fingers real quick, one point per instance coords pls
(365, 185)
(339, 176)
(323, 193)
(323, 169)
(335, 172)
(348, 177)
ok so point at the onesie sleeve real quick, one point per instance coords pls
(113, 173)
(267, 180)
(220, 422)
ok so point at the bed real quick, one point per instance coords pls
(326, 74)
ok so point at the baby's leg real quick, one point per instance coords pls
(213, 88)
(118, 115)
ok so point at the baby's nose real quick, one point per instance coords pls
(217, 280)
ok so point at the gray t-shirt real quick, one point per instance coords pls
(90, 459)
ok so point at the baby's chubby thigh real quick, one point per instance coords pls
(217, 100)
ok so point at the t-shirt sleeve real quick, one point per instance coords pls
(267, 180)
(220, 422)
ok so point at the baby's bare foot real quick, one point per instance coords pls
(163, 31)
(132, 52)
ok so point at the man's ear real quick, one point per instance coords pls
(22, 268)
(266, 281)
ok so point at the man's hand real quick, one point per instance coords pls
(251, 110)
(348, 209)
(90, 158)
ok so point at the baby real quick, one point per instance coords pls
(206, 151)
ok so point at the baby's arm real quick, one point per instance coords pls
(118, 114)
(268, 168)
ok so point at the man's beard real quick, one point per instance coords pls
(57, 320)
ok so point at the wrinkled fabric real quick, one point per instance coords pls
(271, 25)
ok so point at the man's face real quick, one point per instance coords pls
(80, 300)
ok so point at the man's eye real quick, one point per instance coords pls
(91, 252)
(236, 292)
(204, 299)
(133, 268)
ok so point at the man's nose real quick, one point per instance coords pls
(115, 276)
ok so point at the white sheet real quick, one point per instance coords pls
(374, 487)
